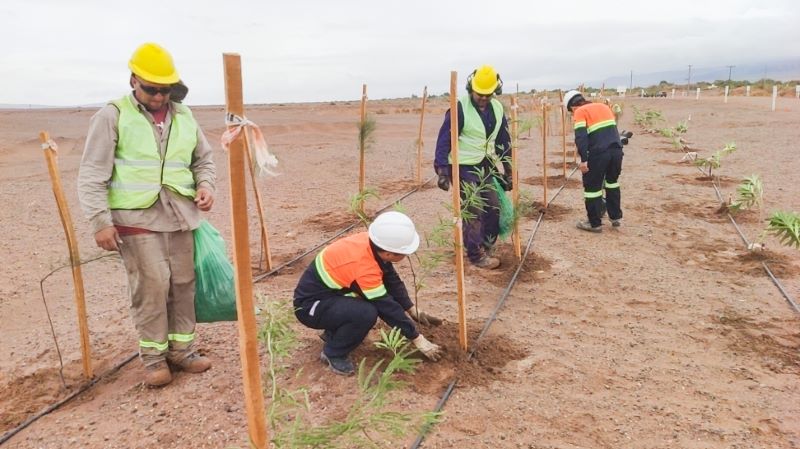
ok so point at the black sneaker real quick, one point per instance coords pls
(586, 226)
(339, 365)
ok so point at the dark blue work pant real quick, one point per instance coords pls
(481, 231)
(348, 320)
(604, 170)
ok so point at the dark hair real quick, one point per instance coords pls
(576, 101)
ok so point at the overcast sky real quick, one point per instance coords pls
(72, 52)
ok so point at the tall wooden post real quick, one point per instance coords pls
(74, 255)
(362, 171)
(248, 341)
(458, 234)
(420, 144)
(563, 130)
(544, 153)
(515, 177)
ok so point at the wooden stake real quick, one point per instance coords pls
(533, 114)
(544, 153)
(458, 230)
(563, 130)
(248, 341)
(262, 222)
(362, 144)
(515, 178)
(420, 144)
(74, 256)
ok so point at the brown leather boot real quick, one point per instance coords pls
(194, 363)
(157, 375)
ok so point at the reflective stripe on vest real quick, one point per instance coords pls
(139, 171)
(473, 143)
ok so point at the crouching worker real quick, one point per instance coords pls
(352, 283)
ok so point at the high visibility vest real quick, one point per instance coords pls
(473, 143)
(350, 262)
(139, 170)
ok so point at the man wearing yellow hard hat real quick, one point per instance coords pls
(483, 141)
(146, 173)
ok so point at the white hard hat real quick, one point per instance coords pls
(569, 96)
(394, 232)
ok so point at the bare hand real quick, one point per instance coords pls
(204, 199)
(584, 167)
(108, 239)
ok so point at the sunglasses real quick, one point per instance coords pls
(151, 90)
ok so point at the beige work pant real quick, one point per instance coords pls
(160, 268)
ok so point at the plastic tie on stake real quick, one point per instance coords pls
(50, 144)
(264, 161)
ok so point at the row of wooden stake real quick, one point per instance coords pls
(239, 156)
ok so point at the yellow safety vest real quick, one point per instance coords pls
(139, 170)
(473, 143)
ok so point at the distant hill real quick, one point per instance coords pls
(777, 70)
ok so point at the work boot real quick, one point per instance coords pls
(487, 263)
(586, 226)
(194, 363)
(616, 222)
(157, 375)
(339, 365)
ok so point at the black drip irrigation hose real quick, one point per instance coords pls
(58, 404)
(451, 387)
(275, 270)
(749, 245)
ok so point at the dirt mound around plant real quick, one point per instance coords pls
(724, 181)
(780, 355)
(488, 363)
(552, 211)
(553, 182)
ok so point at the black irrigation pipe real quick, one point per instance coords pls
(275, 270)
(451, 387)
(749, 245)
(58, 404)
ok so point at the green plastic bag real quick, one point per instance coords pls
(506, 210)
(214, 296)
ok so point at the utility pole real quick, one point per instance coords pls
(689, 80)
(631, 86)
(730, 70)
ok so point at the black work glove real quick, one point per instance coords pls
(444, 182)
(506, 182)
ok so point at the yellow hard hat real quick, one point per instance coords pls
(485, 80)
(151, 62)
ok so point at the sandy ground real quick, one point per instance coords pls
(664, 333)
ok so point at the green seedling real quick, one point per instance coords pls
(785, 226)
(714, 161)
(357, 204)
(749, 195)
